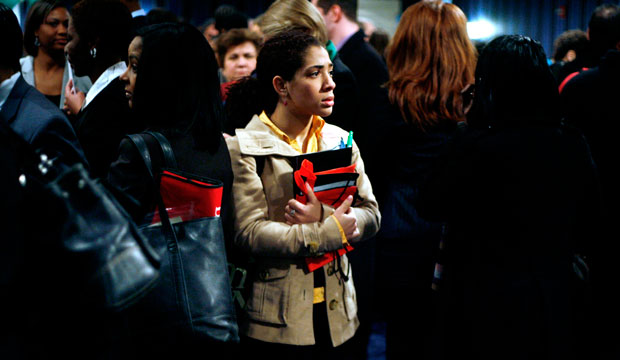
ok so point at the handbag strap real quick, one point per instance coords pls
(166, 149)
(140, 144)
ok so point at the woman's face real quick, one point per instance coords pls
(78, 51)
(239, 61)
(130, 75)
(52, 32)
(311, 91)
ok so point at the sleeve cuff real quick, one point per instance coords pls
(343, 236)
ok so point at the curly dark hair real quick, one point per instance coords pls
(281, 55)
(513, 85)
(575, 40)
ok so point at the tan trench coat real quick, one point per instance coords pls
(279, 308)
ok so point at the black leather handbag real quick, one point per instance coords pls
(193, 299)
(88, 248)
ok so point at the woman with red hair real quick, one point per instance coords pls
(431, 64)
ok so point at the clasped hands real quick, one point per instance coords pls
(297, 213)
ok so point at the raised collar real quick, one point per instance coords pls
(257, 139)
(104, 80)
(315, 133)
(6, 87)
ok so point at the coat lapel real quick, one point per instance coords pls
(9, 109)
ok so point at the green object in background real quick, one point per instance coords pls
(12, 3)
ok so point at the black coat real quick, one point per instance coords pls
(101, 126)
(346, 94)
(370, 75)
(40, 123)
(519, 203)
(590, 102)
(129, 174)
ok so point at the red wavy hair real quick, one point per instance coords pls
(430, 61)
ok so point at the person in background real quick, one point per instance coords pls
(45, 37)
(287, 15)
(161, 15)
(430, 79)
(570, 54)
(26, 116)
(292, 313)
(520, 195)
(379, 40)
(254, 25)
(602, 36)
(368, 27)
(590, 102)
(228, 17)
(209, 31)
(97, 50)
(191, 121)
(237, 50)
(370, 75)
(366, 64)
(24, 109)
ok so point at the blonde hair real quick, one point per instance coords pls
(287, 15)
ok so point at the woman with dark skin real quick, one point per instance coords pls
(45, 37)
(96, 49)
(519, 193)
(190, 119)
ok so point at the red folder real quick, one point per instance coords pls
(331, 187)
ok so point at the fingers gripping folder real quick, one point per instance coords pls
(332, 184)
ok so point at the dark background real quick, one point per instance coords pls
(543, 20)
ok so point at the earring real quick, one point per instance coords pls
(37, 43)
(93, 52)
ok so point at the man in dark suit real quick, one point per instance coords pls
(366, 64)
(370, 73)
(25, 109)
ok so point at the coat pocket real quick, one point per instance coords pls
(269, 299)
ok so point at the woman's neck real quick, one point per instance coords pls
(47, 62)
(295, 126)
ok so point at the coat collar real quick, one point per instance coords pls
(9, 109)
(258, 140)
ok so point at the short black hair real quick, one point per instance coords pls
(513, 84)
(161, 15)
(349, 7)
(228, 17)
(36, 15)
(11, 40)
(604, 28)
(177, 56)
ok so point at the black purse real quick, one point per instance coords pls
(193, 300)
(89, 250)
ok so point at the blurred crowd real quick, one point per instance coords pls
(482, 216)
